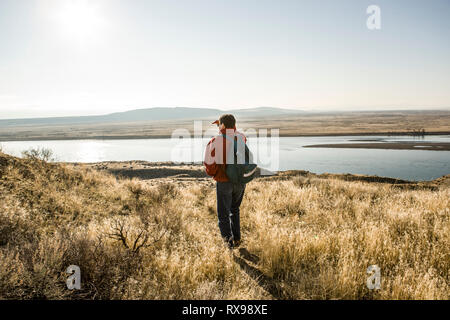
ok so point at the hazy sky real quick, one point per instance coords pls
(72, 57)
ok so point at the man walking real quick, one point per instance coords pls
(229, 195)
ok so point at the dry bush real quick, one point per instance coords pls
(43, 154)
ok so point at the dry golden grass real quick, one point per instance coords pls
(304, 238)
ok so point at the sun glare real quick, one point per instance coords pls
(79, 18)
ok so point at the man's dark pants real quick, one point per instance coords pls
(229, 198)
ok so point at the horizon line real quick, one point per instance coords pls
(304, 110)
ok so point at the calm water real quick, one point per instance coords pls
(404, 164)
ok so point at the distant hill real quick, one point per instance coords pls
(264, 112)
(152, 114)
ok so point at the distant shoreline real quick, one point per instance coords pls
(293, 135)
(426, 146)
(186, 171)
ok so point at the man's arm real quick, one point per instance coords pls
(209, 160)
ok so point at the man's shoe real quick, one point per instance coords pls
(236, 243)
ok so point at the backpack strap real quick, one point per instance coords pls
(235, 147)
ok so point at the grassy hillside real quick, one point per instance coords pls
(305, 237)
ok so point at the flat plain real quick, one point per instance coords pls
(317, 124)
